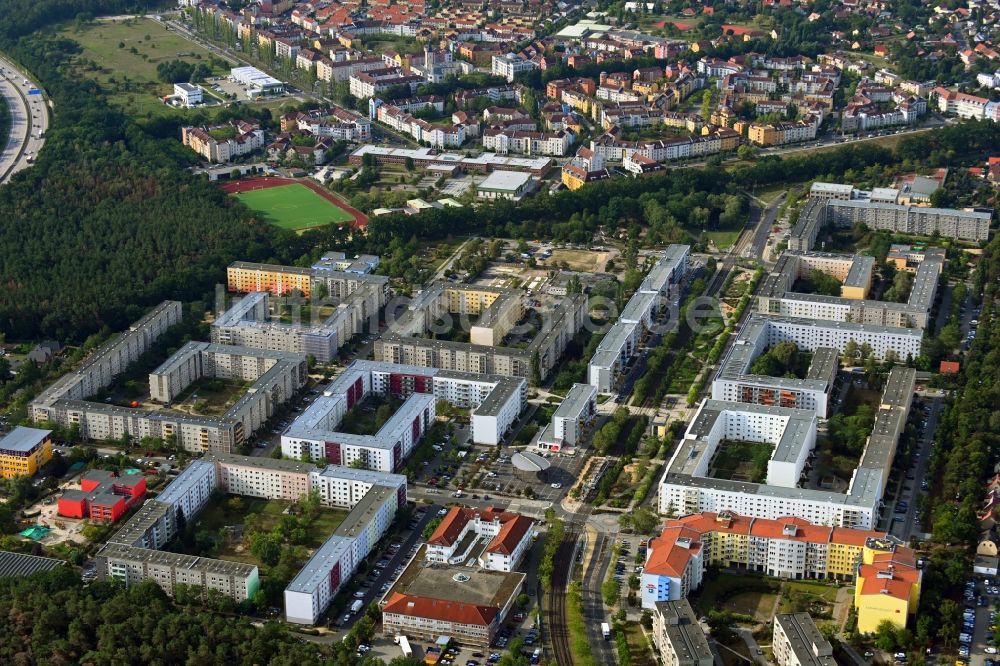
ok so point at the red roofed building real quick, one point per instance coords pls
(466, 604)
(497, 539)
(785, 547)
(888, 585)
(950, 367)
(103, 496)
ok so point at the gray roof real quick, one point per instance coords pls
(23, 440)
(576, 401)
(177, 560)
(685, 634)
(18, 564)
(526, 461)
(806, 641)
(504, 181)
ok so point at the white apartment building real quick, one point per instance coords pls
(733, 381)
(621, 341)
(496, 403)
(309, 594)
(510, 65)
(686, 487)
(260, 477)
(504, 141)
(572, 415)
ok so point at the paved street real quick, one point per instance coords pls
(29, 116)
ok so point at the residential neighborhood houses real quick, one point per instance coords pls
(680, 102)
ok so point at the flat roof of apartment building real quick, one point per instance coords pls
(255, 462)
(208, 565)
(684, 631)
(576, 401)
(188, 478)
(273, 268)
(499, 396)
(148, 515)
(806, 641)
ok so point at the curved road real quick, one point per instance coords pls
(28, 115)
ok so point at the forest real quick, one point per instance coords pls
(53, 618)
(108, 220)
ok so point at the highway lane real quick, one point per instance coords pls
(29, 116)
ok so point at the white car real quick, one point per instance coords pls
(989, 649)
(557, 486)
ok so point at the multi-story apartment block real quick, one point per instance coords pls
(734, 382)
(132, 554)
(436, 134)
(402, 343)
(496, 403)
(686, 486)
(888, 585)
(648, 303)
(249, 323)
(376, 81)
(798, 642)
(335, 123)
(775, 295)
(510, 65)
(883, 209)
(678, 635)
(570, 419)
(961, 104)
(785, 547)
(503, 141)
(213, 146)
(309, 594)
(424, 158)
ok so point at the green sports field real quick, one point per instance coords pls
(293, 206)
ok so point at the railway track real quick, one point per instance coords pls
(558, 630)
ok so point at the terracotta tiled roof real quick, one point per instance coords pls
(668, 558)
(448, 530)
(439, 609)
(510, 535)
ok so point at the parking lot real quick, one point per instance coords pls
(500, 477)
(978, 619)
(371, 586)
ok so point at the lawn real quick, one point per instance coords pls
(639, 649)
(723, 239)
(266, 514)
(130, 50)
(210, 396)
(293, 206)
(743, 594)
(742, 461)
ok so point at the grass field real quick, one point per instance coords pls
(724, 239)
(152, 43)
(293, 207)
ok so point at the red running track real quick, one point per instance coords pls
(237, 186)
